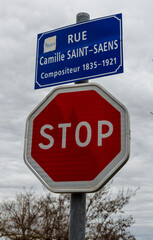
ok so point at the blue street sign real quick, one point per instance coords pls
(81, 51)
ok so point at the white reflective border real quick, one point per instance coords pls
(108, 172)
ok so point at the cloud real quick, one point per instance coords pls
(20, 22)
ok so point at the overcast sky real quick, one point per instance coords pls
(20, 22)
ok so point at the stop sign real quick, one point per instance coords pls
(77, 138)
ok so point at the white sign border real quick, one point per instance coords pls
(108, 172)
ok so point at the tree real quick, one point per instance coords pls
(54, 218)
(34, 217)
(104, 215)
(18, 217)
(30, 217)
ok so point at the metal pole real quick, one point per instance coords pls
(77, 216)
(82, 17)
(78, 200)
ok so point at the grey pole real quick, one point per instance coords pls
(77, 216)
(78, 200)
(82, 17)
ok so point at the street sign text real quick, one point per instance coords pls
(81, 51)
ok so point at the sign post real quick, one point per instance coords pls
(77, 227)
(70, 133)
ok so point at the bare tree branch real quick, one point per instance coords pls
(33, 217)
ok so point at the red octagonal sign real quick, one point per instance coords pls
(77, 138)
